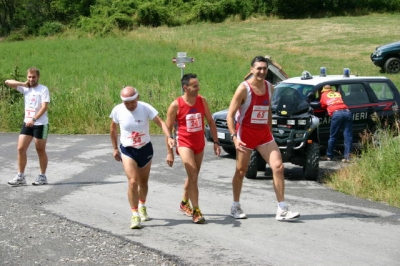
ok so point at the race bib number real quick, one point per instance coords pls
(30, 113)
(193, 122)
(259, 114)
(137, 139)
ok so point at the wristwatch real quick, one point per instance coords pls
(34, 119)
(233, 135)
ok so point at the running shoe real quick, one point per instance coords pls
(237, 212)
(40, 180)
(186, 209)
(143, 214)
(286, 215)
(135, 222)
(18, 180)
(198, 217)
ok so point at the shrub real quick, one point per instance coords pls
(51, 28)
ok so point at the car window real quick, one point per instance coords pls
(382, 91)
(354, 94)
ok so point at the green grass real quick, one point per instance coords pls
(85, 74)
(375, 175)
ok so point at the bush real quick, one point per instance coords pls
(51, 28)
(151, 14)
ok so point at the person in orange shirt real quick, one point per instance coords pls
(341, 117)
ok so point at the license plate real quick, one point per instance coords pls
(221, 135)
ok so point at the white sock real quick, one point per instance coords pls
(282, 205)
(236, 204)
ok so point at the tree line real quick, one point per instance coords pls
(21, 18)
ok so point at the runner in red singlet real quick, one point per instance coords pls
(187, 113)
(250, 106)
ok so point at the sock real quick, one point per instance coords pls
(21, 174)
(142, 203)
(185, 201)
(135, 211)
(235, 204)
(43, 175)
(196, 208)
(282, 205)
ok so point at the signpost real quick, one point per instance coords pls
(180, 61)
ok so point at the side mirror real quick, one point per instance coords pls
(311, 97)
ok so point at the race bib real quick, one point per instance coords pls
(30, 113)
(259, 115)
(137, 139)
(193, 122)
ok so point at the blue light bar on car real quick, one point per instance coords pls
(322, 72)
(346, 72)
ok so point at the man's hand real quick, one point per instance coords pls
(117, 155)
(239, 145)
(170, 159)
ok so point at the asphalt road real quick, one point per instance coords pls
(83, 216)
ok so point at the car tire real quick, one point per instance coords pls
(392, 65)
(311, 165)
(257, 163)
(230, 151)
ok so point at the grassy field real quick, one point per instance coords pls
(85, 74)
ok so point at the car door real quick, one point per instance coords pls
(356, 97)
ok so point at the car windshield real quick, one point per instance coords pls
(291, 98)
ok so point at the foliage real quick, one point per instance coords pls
(51, 28)
(104, 16)
(377, 170)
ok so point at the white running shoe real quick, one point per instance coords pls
(286, 215)
(40, 180)
(237, 212)
(143, 214)
(18, 180)
(135, 222)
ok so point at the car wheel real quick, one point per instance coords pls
(256, 163)
(392, 65)
(311, 165)
(230, 151)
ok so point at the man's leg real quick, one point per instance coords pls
(348, 135)
(271, 154)
(242, 162)
(334, 130)
(132, 172)
(23, 144)
(41, 151)
(192, 163)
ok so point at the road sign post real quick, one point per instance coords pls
(180, 61)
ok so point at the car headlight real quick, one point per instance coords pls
(291, 122)
(274, 122)
(302, 122)
(378, 52)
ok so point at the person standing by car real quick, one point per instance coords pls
(35, 126)
(136, 148)
(250, 108)
(341, 117)
(188, 112)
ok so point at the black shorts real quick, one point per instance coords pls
(38, 132)
(141, 156)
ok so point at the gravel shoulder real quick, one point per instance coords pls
(32, 236)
